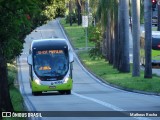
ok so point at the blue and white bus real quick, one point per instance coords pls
(50, 66)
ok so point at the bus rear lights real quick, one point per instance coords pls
(158, 46)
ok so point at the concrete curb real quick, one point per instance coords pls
(116, 86)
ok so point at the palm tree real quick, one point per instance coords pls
(114, 18)
(136, 37)
(148, 38)
(124, 65)
(70, 12)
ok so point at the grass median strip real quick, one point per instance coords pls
(103, 69)
(106, 71)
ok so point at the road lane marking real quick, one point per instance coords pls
(108, 105)
(99, 102)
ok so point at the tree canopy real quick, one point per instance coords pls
(17, 19)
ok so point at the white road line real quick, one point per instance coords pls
(99, 102)
(108, 105)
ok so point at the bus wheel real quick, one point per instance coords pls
(62, 92)
(36, 93)
(68, 92)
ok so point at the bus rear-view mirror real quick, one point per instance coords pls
(29, 59)
(71, 57)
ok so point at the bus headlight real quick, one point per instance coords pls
(66, 79)
(38, 81)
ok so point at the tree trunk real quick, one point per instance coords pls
(70, 12)
(118, 43)
(5, 101)
(79, 13)
(108, 38)
(111, 39)
(158, 24)
(103, 45)
(83, 7)
(148, 38)
(115, 60)
(136, 37)
(124, 62)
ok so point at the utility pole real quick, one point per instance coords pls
(148, 38)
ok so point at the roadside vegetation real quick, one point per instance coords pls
(16, 23)
(101, 68)
(16, 97)
(77, 37)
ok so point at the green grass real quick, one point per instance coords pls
(156, 54)
(154, 29)
(77, 35)
(16, 97)
(102, 69)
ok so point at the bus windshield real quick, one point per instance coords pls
(50, 63)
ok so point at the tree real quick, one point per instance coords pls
(70, 12)
(79, 16)
(148, 38)
(124, 65)
(93, 8)
(136, 37)
(114, 25)
(158, 24)
(15, 24)
(20, 18)
(116, 35)
(54, 8)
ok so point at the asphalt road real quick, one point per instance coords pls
(89, 95)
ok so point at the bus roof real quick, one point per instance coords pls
(49, 43)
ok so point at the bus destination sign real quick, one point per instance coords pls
(49, 51)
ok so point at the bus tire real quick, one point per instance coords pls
(68, 92)
(36, 93)
(62, 92)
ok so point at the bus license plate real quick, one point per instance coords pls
(52, 86)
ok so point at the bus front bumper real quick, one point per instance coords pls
(51, 87)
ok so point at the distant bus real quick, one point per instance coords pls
(50, 66)
(155, 48)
